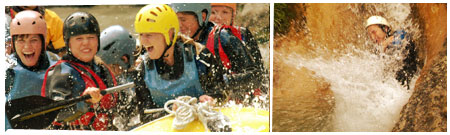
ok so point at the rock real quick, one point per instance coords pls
(426, 110)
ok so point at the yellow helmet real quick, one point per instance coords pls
(157, 18)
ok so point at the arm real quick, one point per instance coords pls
(9, 81)
(143, 96)
(216, 80)
(209, 74)
(252, 46)
(244, 67)
(54, 31)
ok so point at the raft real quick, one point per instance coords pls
(244, 119)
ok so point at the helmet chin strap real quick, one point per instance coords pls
(167, 48)
(198, 30)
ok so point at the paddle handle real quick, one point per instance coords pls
(147, 111)
(117, 88)
(86, 97)
(61, 104)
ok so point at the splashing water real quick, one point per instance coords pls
(366, 99)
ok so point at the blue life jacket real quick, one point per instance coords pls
(27, 83)
(399, 35)
(163, 90)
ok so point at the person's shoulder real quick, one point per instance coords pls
(52, 17)
(100, 63)
(52, 56)
(64, 67)
(50, 13)
(400, 31)
(241, 28)
(400, 34)
(226, 36)
(210, 25)
(225, 33)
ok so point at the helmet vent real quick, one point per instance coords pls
(153, 13)
(130, 36)
(165, 7)
(41, 17)
(34, 22)
(18, 23)
(109, 45)
(150, 20)
(140, 16)
(159, 9)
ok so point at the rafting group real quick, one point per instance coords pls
(188, 53)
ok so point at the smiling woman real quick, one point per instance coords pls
(84, 47)
(28, 30)
(78, 73)
(28, 48)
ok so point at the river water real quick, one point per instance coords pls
(329, 77)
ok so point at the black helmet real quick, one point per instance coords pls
(80, 23)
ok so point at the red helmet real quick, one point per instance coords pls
(28, 22)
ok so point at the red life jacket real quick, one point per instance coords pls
(108, 101)
(210, 43)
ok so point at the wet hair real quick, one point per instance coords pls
(15, 37)
(39, 9)
(20, 36)
(205, 11)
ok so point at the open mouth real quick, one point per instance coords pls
(29, 55)
(86, 50)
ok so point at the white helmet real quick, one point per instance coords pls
(376, 20)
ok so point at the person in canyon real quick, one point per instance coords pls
(380, 32)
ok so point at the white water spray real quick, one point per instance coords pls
(367, 96)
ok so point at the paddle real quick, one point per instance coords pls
(147, 111)
(39, 112)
